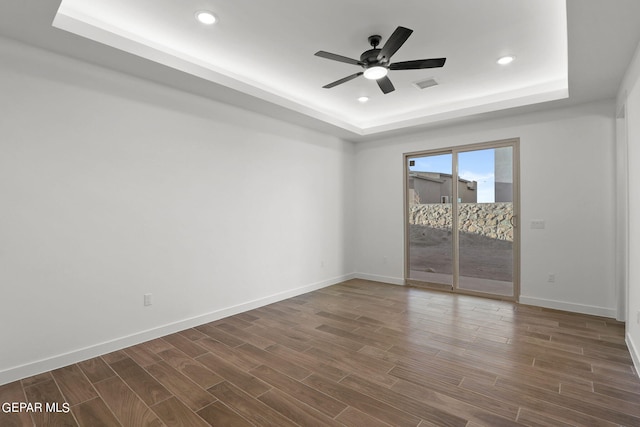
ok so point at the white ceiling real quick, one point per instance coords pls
(267, 49)
(260, 54)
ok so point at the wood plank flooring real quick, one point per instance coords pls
(355, 354)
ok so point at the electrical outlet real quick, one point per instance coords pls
(537, 224)
(551, 278)
(147, 299)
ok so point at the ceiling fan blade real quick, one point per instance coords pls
(386, 85)
(396, 40)
(418, 64)
(333, 56)
(343, 80)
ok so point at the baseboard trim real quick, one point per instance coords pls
(539, 302)
(383, 279)
(58, 361)
(635, 353)
(569, 306)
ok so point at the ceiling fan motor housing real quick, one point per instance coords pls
(370, 57)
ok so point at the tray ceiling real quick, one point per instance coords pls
(266, 50)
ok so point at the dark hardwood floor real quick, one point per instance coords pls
(356, 354)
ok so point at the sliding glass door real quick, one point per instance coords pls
(461, 215)
(429, 195)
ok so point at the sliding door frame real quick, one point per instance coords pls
(454, 150)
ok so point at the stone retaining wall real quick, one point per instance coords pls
(487, 219)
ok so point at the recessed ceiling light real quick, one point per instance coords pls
(506, 60)
(375, 73)
(206, 17)
(363, 99)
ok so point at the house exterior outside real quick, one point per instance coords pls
(435, 187)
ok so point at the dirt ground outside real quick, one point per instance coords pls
(481, 257)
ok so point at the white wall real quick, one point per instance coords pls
(112, 187)
(567, 179)
(629, 101)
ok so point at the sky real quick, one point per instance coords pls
(477, 165)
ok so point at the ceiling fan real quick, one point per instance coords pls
(376, 62)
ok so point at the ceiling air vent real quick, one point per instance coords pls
(423, 84)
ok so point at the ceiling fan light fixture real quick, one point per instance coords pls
(377, 62)
(505, 60)
(375, 73)
(205, 17)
